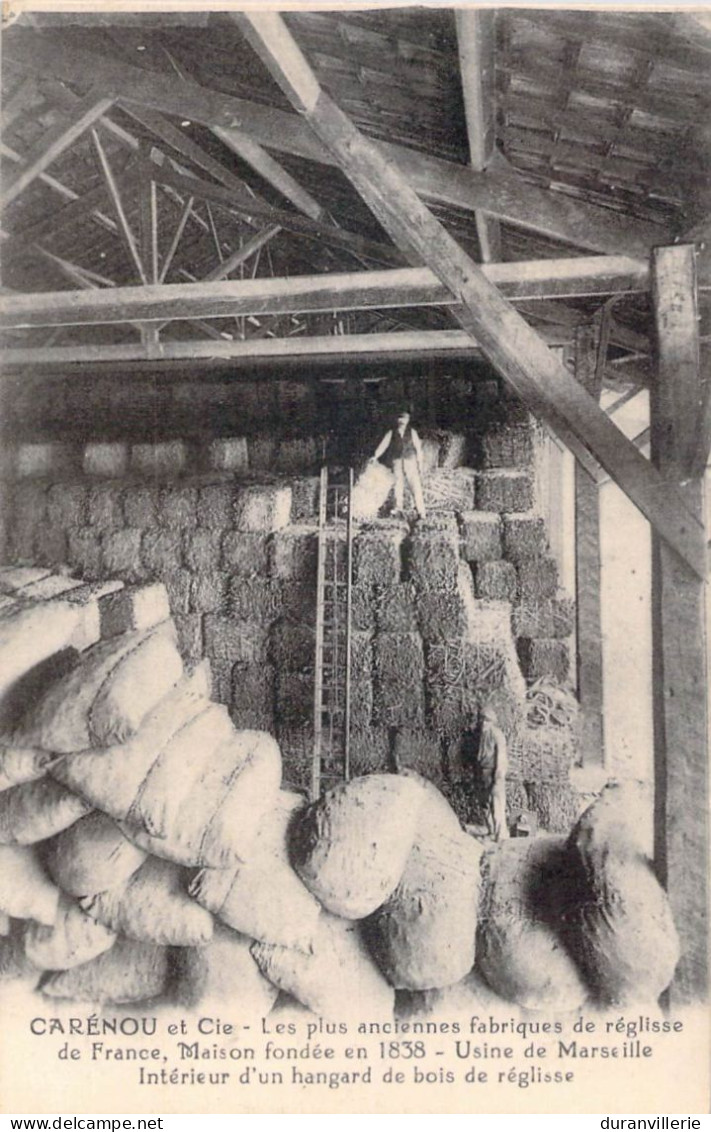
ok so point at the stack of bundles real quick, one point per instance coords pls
(350, 847)
(187, 785)
(622, 932)
(423, 936)
(263, 897)
(337, 980)
(528, 890)
(371, 490)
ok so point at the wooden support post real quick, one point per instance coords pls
(680, 684)
(587, 571)
(476, 39)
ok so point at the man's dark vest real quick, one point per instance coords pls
(400, 447)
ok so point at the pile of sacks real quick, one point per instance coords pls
(148, 850)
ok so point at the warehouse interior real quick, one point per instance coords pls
(234, 247)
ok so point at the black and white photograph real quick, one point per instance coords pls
(353, 557)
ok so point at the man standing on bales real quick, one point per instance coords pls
(402, 451)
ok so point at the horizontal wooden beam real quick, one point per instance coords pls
(500, 189)
(432, 343)
(516, 351)
(402, 287)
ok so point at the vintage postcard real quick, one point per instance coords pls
(355, 420)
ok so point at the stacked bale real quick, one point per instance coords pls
(521, 951)
(621, 930)
(121, 728)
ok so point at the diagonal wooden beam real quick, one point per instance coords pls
(54, 142)
(240, 255)
(125, 229)
(271, 171)
(515, 350)
(476, 44)
(177, 237)
(362, 290)
(502, 191)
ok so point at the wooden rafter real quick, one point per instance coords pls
(54, 142)
(252, 208)
(241, 255)
(256, 156)
(476, 41)
(125, 229)
(414, 286)
(176, 238)
(499, 190)
(516, 351)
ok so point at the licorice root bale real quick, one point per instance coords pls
(135, 686)
(32, 633)
(22, 764)
(61, 720)
(622, 931)
(377, 554)
(223, 971)
(213, 819)
(424, 935)
(131, 971)
(468, 998)
(264, 507)
(433, 556)
(617, 822)
(338, 980)
(263, 897)
(92, 856)
(111, 777)
(152, 905)
(15, 966)
(520, 947)
(350, 846)
(252, 788)
(37, 810)
(73, 939)
(26, 892)
(177, 770)
(624, 936)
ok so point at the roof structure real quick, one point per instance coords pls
(155, 149)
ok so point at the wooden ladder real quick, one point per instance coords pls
(332, 691)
